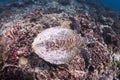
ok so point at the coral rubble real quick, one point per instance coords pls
(95, 60)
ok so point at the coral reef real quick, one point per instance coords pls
(96, 60)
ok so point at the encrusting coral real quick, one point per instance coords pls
(93, 61)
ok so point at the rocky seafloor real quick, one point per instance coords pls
(20, 23)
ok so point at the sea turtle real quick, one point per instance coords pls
(57, 45)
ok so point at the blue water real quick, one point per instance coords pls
(114, 4)
(6, 1)
(3, 2)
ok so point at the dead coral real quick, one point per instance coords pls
(93, 61)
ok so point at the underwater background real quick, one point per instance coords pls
(115, 4)
(95, 22)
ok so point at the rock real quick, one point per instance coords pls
(57, 45)
(15, 72)
(23, 61)
(94, 62)
(3, 49)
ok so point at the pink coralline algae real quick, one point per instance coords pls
(33, 48)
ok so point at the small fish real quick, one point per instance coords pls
(59, 46)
